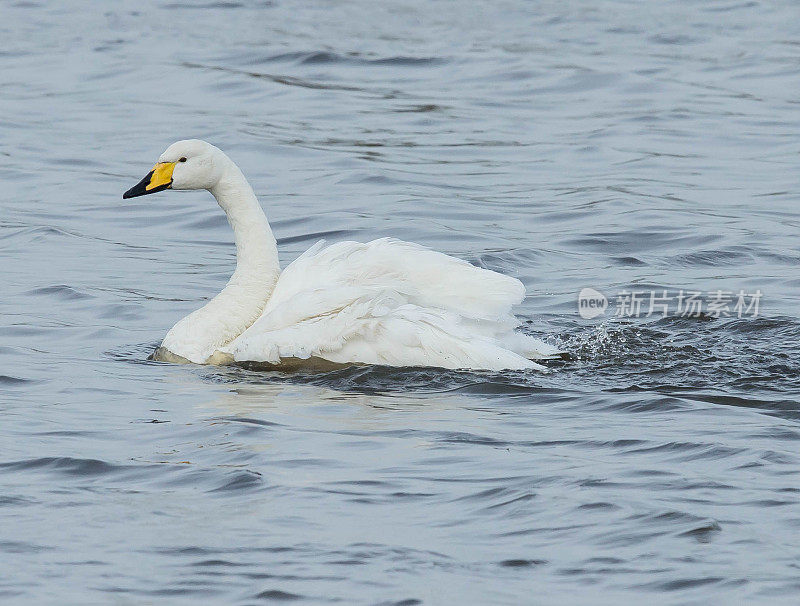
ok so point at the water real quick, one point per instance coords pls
(613, 145)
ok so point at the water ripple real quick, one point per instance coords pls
(612, 145)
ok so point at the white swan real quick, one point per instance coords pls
(383, 302)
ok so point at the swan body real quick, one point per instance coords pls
(381, 302)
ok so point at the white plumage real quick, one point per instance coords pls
(390, 302)
(384, 302)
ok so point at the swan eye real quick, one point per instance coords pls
(182, 159)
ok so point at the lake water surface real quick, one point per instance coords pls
(616, 145)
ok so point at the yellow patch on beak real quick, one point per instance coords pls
(162, 175)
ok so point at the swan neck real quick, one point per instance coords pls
(256, 248)
(201, 334)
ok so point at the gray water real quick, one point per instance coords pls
(614, 145)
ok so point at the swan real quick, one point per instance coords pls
(385, 302)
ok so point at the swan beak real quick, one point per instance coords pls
(156, 180)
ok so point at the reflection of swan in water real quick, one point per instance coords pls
(308, 407)
(383, 302)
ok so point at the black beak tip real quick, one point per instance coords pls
(140, 189)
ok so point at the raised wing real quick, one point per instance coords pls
(390, 302)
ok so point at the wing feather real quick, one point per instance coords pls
(389, 302)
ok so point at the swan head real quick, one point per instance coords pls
(188, 164)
